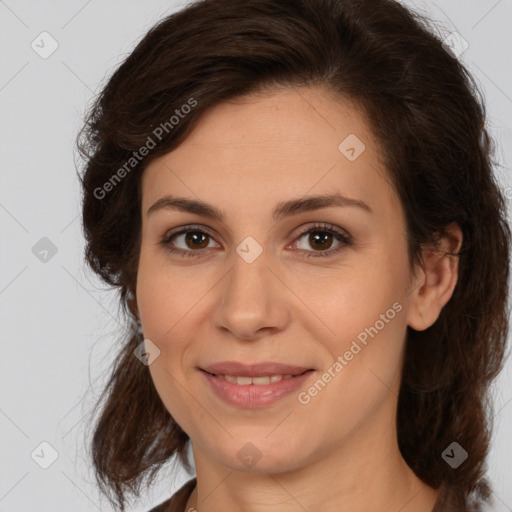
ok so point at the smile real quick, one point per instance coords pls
(254, 392)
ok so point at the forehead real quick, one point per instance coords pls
(287, 122)
(265, 148)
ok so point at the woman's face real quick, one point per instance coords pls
(255, 287)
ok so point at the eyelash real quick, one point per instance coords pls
(320, 228)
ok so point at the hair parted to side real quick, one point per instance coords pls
(429, 118)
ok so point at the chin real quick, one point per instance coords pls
(255, 454)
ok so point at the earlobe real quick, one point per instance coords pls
(436, 280)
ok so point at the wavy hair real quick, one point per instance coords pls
(429, 118)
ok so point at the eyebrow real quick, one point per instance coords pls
(282, 210)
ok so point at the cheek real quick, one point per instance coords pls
(350, 299)
(164, 295)
(169, 385)
(364, 370)
(363, 310)
(164, 317)
(169, 302)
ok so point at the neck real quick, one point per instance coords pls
(365, 473)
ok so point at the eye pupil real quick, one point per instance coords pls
(314, 236)
(194, 236)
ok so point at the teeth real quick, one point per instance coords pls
(258, 381)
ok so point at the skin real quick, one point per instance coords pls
(339, 451)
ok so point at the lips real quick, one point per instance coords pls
(265, 369)
(255, 386)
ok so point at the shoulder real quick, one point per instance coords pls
(178, 501)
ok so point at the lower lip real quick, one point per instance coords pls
(250, 396)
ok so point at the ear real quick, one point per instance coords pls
(435, 281)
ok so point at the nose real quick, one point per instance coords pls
(252, 300)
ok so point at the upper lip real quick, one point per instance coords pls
(237, 369)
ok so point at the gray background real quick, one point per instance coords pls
(59, 325)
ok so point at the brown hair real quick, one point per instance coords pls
(429, 118)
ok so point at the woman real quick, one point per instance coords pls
(295, 199)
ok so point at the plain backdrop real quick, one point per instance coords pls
(59, 325)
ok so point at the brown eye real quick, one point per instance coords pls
(193, 242)
(187, 242)
(196, 239)
(320, 239)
